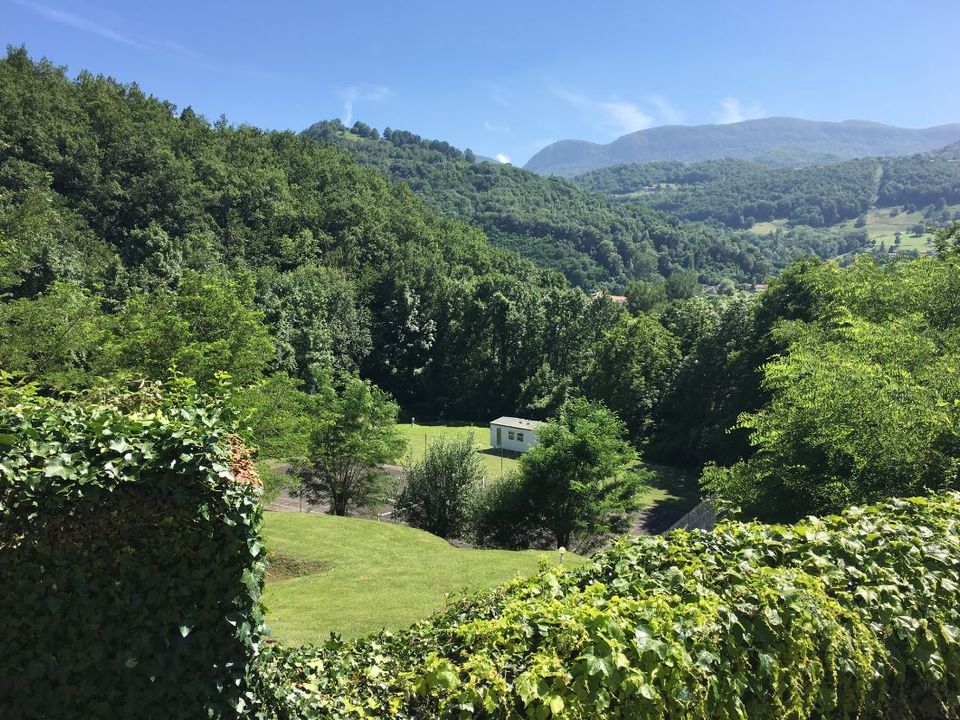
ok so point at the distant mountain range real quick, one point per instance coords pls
(777, 142)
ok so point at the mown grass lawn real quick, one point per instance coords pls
(365, 575)
(420, 435)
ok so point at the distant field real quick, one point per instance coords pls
(420, 436)
(362, 575)
(765, 228)
(882, 226)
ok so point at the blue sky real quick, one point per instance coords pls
(506, 78)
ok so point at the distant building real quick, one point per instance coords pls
(514, 434)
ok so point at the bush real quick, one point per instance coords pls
(500, 518)
(847, 616)
(438, 491)
(130, 557)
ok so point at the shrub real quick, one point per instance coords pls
(438, 491)
(499, 515)
(130, 557)
(846, 616)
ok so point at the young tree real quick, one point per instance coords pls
(350, 439)
(439, 489)
(580, 479)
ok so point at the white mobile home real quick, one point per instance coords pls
(514, 434)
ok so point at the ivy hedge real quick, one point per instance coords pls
(851, 616)
(130, 557)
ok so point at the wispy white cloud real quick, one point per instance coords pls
(623, 117)
(666, 112)
(734, 111)
(75, 21)
(502, 158)
(167, 48)
(353, 94)
(496, 128)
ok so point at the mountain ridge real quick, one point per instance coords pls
(776, 141)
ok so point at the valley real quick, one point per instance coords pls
(706, 365)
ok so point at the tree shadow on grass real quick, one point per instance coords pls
(682, 494)
(508, 454)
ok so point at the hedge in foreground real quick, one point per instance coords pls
(842, 617)
(130, 563)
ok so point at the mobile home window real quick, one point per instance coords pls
(520, 437)
(510, 434)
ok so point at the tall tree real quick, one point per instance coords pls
(581, 481)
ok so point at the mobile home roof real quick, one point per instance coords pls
(518, 423)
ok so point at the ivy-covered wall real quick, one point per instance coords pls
(131, 564)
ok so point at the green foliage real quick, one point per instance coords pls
(131, 558)
(351, 435)
(739, 193)
(579, 482)
(56, 338)
(865, 400)
(278, 415)
(438, 491)
(644, 296)
(500, 515)
(848, 616)
(681, 285)
(948, 240)
(208, 326)
(630, 368)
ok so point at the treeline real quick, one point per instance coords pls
(739, 193)
(861, 395)
(594, 242)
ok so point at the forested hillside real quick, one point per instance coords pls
(592, 241)
(739, 193)
(136, 237)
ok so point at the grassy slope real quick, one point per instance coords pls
(374, 575)
(881, 226)
(415, 435)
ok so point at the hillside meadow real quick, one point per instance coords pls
(361, 576)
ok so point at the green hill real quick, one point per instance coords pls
(741, 194)
(779, 141)
(592, 240)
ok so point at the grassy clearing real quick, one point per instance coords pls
(767, 227)
(882, 226)
(371, 575)
(420, 436)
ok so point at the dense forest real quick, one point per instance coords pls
(739, 193)
(592, 241)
